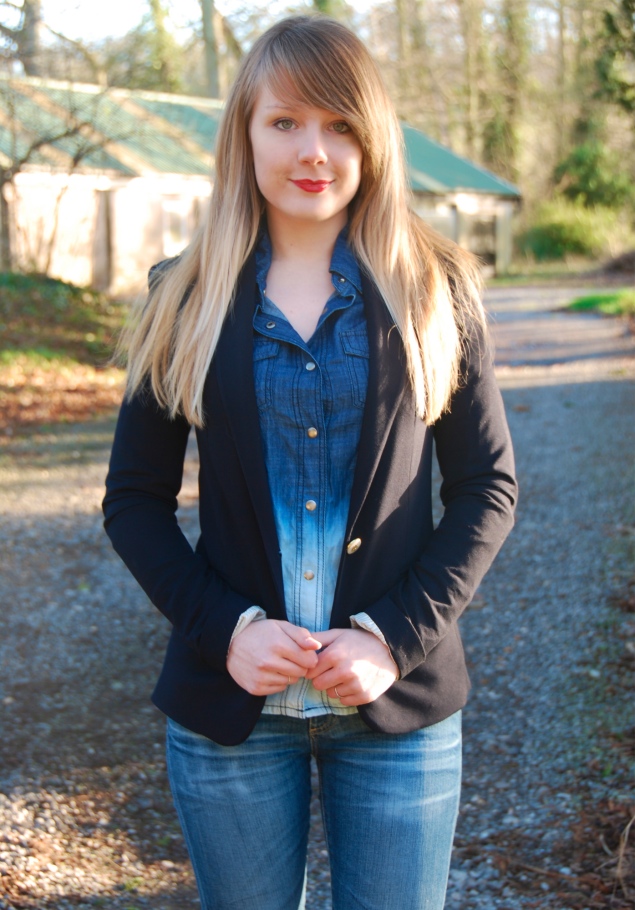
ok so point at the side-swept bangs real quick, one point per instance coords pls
(317, 62)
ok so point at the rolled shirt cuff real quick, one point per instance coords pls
(363, 621)
(253, 614)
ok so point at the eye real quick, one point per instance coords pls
(340, 126)
(284, 124)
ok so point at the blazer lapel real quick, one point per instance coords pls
(234, 370)
(387, 382)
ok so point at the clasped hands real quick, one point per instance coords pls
(270, 654)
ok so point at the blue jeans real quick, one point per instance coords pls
(389, 804)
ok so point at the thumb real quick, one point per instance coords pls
(302, 637)
(328, 636)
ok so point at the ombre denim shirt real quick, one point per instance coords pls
(311, 397)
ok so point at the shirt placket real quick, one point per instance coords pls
(304, 367)
(309, 593)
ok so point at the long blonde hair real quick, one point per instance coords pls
(429, 285)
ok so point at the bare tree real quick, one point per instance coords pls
(474, 65)
(164, 48)
(68, 139)
(25, 38)
(211, 47)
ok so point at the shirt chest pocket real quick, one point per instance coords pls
(265, 353)
(355, 346)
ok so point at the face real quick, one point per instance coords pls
(307, 161)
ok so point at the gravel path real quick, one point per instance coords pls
(85, 815)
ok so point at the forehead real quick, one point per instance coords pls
(272, 99)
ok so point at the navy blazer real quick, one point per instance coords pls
(412, 579)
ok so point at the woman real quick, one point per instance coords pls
(318, 337)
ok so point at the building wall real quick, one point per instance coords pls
(106, 232)
(478, 223)
(53, 218)
(100, 231)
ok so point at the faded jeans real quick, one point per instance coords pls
(389, 804)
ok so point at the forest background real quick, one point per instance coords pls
(541, 92)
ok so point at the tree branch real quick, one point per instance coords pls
(10, 172)
(98, 70)
(11, 33)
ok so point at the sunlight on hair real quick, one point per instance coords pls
(430, 286)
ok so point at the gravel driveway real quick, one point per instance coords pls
(85, 815)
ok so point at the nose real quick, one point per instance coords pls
(312, 147)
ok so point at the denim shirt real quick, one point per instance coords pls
(311, 398)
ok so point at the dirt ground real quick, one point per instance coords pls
(86, 818)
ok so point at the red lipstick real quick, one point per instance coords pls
(312, 186)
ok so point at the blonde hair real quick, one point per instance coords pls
(429, 285)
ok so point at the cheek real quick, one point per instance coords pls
(356, 172)
(262, 173)
(267, 165)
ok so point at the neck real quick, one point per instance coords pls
(303, 241)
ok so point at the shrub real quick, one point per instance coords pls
(591, 174)
(561, 228)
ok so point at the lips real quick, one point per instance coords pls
(312, 186)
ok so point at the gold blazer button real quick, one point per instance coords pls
(353, 546)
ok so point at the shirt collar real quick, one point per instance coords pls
(343, 264)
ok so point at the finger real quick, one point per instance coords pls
(290, 668)
(301, 662)
(269, 688)
(301, 637)
(325, 661)
(328, 680)
(327, 637)
(352, 701)
(275, 682)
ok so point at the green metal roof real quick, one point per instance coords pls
(153, 146)
(200, 123)
(24, 121)
(174, 134)
(435, 169)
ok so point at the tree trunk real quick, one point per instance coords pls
(163, 48)
(211, 48)
(513, 65)
(5, 230)
(402, 48)
(562, 118)
(471, 13)
(29, 38)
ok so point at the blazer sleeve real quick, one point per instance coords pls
(479, 493)
(143, 482)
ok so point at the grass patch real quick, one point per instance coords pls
(44, 319)
(613, 303)
(525, 270)
(57, 341)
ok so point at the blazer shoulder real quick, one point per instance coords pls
(158, 271)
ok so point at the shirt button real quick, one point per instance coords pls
(271, 325)
(311, 505)
(353, 546)
(311, 432)
(309, 575)
(310, 366)
(342, 278)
